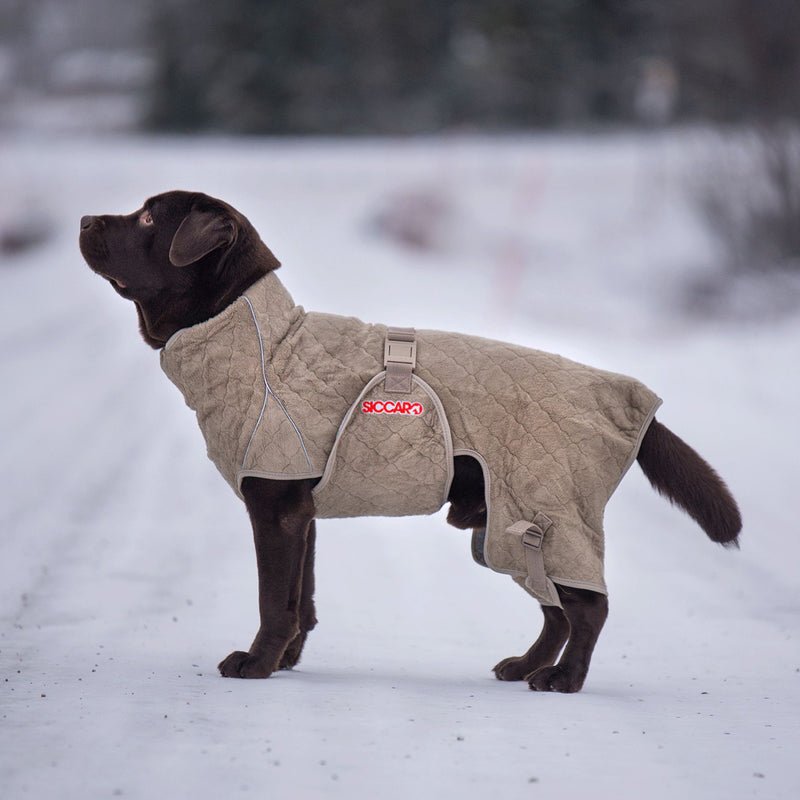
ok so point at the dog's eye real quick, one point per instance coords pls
(146, 218)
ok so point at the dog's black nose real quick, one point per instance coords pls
(86, 222)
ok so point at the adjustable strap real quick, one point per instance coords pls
(399, 358)
(533, 534)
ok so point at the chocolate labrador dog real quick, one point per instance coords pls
(184, 258)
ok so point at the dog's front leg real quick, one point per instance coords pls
(308, 616)
(281, 513)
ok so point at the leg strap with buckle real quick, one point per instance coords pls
(533, 534)
(399, 358)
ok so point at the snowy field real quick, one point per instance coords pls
(127, 569)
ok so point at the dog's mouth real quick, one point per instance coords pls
(115, 282)
(119, 286)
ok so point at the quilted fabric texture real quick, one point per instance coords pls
(281, 393)
(388, 463)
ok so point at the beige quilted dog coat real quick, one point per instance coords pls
(281, 393)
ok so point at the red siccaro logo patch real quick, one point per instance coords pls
(392, 407)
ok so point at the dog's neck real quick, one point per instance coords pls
(158, 322)
(267, 297)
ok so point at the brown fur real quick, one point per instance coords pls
(182, 258)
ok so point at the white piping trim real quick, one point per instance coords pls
(267, 392)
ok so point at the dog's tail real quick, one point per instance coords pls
(685, 479)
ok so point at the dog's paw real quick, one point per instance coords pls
(511, 669)
(555, 679)
(242, 665)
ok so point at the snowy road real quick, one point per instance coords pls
(127, 570)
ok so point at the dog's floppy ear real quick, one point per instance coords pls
(199, 234)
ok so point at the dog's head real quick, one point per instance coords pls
(182, 258)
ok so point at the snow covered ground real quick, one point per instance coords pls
(127, 570)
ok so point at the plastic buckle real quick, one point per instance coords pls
(533, 538)
(400, 347)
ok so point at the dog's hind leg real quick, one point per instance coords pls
(586, 613)
(308, 616)
(543, 652)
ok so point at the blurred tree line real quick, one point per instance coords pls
(408, 66)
